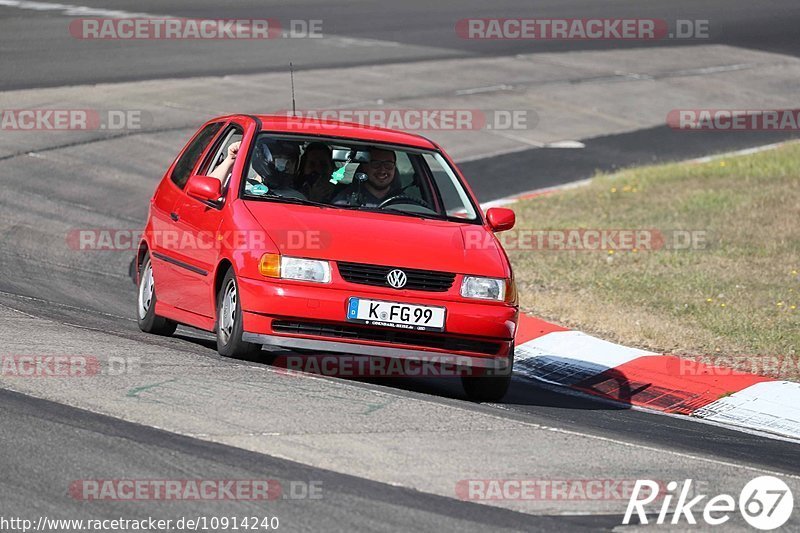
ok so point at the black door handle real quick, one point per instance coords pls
(174, 216)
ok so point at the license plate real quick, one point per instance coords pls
(396, 315)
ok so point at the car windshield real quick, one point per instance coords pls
(356, 175)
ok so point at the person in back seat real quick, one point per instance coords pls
(314, 177)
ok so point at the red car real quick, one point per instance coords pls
(329, 237)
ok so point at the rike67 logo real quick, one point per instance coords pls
(765, 503)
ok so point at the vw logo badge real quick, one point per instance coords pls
(397, 279)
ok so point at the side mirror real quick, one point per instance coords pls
(204, 188)
(500, 219)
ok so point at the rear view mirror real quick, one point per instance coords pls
(204, 188)
(351, 156)
(500, 219)
(362, 156)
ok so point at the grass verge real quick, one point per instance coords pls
(730, 297)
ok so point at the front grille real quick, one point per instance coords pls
(418, 280)
(340, 331)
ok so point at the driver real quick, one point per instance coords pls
(380, 184)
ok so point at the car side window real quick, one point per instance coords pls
(217, 155)
(455, 200)
(188, 159)
(406, 174)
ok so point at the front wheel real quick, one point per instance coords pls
(490, 387)
(229, 321)
(146, 316)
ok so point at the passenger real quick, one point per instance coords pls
(316, 167)
(274, 164)
(224, 168)
(380, 184)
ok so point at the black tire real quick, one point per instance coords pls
(133, 273)
(146, 316)
(491, 386)
(230, 325)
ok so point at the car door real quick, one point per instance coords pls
(169, 271)
(198, 224)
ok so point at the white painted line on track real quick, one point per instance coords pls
(506, 200)
(516, 138)
(715, 69)
(349, 42)
(479, 90)
(565, 144)
(561, 389)
(746, 151)
(664, 451)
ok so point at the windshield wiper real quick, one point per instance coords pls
(418, 215)
(358, 207)
(391, 211)
(288, 200)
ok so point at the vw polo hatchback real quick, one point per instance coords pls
(318, 236)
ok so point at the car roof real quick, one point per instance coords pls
(337, 129)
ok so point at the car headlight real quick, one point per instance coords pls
(280, 266)
(483, 288)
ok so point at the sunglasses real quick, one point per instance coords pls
(387, 165)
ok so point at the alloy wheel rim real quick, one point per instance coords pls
(146, 290)
(227, 314)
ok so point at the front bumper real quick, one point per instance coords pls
(462, 360)
(265, 301)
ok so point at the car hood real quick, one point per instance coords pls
(381, 239)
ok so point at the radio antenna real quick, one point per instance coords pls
(291, 74)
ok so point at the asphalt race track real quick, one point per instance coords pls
(41, 53)
(388, 454)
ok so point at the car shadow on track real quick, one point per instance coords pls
(202, 341)
(523, 391)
